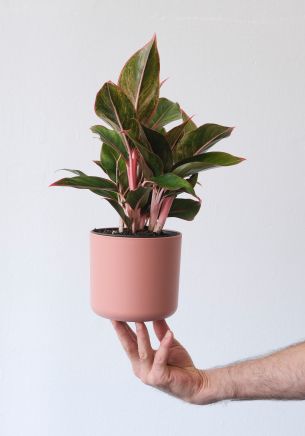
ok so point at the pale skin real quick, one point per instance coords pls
(280, 375)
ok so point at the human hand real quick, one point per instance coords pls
(278, 375)
(170, 368)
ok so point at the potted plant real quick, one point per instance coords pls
(135, 266)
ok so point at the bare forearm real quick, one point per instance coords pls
(280, 375)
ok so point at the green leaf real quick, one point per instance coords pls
(139, 140)
(151, 159)
(77, 172)
(120, 211)
(199, 140)
(109, 161)
(174, 135)
(102, 187)
(114, 107)
(205, 161)
(160, 147)
(165, 113)
(112, 138)
(116, 170)
(172, 182)
(107, 195)
(146, 170)
(98, 163)
(87, 182)
(139, 79)
(184, 208)
(122, 178)
(190, 125)
(193, 180)
(138, 197)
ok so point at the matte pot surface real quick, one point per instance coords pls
(134, 278)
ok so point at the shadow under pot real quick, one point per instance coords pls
(134, 278)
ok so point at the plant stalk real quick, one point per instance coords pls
(154, 208)
(165, 208)
(132, 166)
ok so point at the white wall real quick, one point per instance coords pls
(239, 63)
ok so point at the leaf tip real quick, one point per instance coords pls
(154, 37)
(163, 81)
(189, 118)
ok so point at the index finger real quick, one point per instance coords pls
(127, 339)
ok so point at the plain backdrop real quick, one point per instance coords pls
(238, 63)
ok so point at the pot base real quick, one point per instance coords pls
(144, 317)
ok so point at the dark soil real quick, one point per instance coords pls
(114, 231)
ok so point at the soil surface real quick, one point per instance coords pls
(114, 231)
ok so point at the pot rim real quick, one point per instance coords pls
(175, 234)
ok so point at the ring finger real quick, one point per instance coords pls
(146, 353)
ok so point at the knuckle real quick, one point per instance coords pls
(155, 380)
(159, 360)
(143, 355)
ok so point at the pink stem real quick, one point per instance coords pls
(154, 208)
(143, 219)
(165, 208)
(132, 169)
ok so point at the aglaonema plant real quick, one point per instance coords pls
(148, 165)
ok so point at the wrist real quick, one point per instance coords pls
(219, 386)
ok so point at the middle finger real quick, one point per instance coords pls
(146, 353)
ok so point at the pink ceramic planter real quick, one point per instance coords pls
(134, 279)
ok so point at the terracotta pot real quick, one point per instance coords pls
(135, 278)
